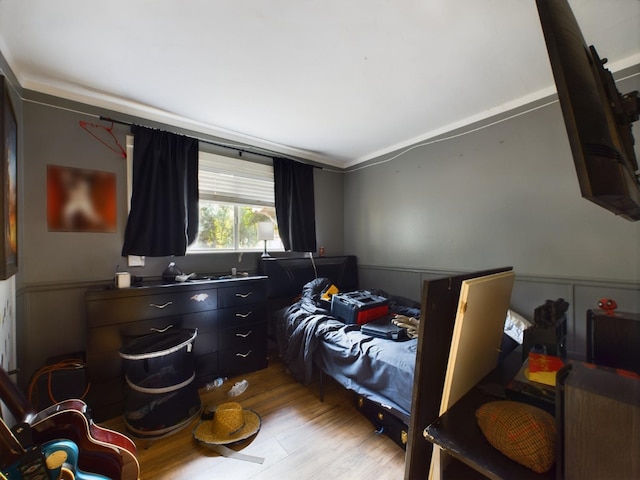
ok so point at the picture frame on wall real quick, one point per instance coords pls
(81, 200)
(8, 180)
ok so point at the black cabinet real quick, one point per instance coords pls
(230, 316)
(613, 340)
(242, 328)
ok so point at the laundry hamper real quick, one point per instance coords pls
(161, 396)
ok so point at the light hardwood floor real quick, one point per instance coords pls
(300, 438)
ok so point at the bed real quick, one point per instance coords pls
(310, 339)
(401, 382)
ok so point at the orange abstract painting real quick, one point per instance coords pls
(80, 200)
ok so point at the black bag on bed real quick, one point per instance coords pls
(384, 328)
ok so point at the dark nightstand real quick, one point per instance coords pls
(613, 340)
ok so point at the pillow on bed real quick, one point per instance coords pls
(312, 300)
(522, 432)
(314, 288)
(515, 325)
(398, 304)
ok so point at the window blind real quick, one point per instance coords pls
(225, 179)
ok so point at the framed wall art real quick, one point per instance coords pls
(9, 183)
(81, 200)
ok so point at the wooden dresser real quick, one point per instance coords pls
(230, 316)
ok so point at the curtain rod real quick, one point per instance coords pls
(238, 149)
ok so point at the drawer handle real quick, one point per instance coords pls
(244, 355)
(244, 315)
(244, 335)
(243, 295)
(160, 306)
(200, 297)
(161, 330)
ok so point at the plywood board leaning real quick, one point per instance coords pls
(475, 346)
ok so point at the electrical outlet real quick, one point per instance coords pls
(135, 261)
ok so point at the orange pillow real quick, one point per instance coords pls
(522, 432)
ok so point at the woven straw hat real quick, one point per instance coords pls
(230, 423)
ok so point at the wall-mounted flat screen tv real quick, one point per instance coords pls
(597, 117)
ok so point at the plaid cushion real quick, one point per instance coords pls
(522, 432)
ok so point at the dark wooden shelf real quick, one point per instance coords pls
(457, 431)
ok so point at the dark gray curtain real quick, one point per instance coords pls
(164, 201)
(295, 205)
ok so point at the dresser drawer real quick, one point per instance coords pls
(243, 338)
(244, 293)
(108, 310)
(238, 316)
(242, 360)
(113, 337)
(243, 348)
(108, 364)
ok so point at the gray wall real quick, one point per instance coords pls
(506, 194)
(57, 267)
(54, 137)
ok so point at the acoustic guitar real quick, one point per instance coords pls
(101, 450)
(19, 462)
(55, 460)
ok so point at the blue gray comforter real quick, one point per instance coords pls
(379, 369)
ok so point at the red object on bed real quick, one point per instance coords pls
(358, 307)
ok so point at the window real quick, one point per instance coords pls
(234, 196)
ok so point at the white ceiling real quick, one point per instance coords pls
(335, 81)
